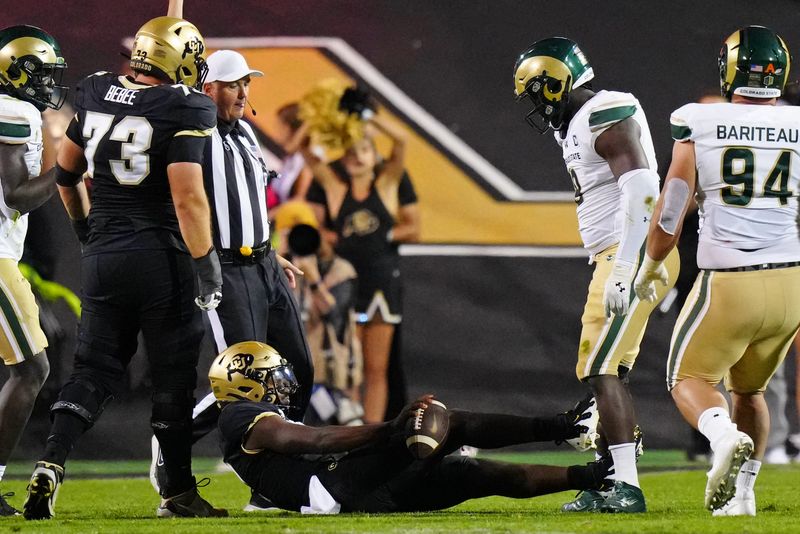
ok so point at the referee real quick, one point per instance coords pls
(259, 304)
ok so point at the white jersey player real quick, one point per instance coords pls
(609, 155)
(30, 69)
(742, 161)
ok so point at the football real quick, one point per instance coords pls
(427, 429)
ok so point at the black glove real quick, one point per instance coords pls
(81, 229)
(357, 101)
(209, 278)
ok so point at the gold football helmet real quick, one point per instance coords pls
(170, 47)
(252, 371)
(31, 66)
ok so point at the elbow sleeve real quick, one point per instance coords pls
(639, 194)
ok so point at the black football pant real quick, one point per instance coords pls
(123, 293)
(258, 305)
(385, 478)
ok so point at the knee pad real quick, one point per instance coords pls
(81, 399)
(172, 410)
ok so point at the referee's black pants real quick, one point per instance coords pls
(258, 305)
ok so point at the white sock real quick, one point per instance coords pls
(715, 423)
(624, 456)
(746, 480)
(2, 471)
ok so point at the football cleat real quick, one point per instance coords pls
(43, 490)
(585, 501)
(259, 503)
(624, 499)
(731, 452)
(6, 509)
(583, 418)
(189, 504)
(744, 505)
(158, 473)
(638, 441)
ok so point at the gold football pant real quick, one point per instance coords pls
(21, 335)
(737, 326)
(608, 342)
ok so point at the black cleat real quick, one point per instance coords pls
(6, 510)
(189, 504)
(42, 491)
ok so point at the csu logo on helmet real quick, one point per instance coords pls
(545, 74)
(753, 62)
(31, 66)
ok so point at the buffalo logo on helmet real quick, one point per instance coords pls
(240, 363)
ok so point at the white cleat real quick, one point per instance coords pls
(733, 450)
(739, 506)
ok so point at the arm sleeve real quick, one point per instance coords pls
(406, 193)
(639, 193)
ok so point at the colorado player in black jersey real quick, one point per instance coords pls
(145, 233)
(367, 468)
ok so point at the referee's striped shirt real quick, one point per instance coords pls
(235, 179)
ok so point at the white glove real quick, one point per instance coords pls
(617, 295)
(650, 271)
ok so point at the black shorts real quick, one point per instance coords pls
(148, 290)
(380, 291)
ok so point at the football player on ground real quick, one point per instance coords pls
(333, 469)
(609, 155)
(741, 161)
(144, 234)
(31, 67)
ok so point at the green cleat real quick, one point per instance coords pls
(624, 499)
(585, 501)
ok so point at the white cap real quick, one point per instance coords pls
(228, 66)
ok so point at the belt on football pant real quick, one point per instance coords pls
(245, 254)
(759, 267)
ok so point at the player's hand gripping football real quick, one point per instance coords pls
(650, 271)
(209, 280)
(398, 423)
(617, 294)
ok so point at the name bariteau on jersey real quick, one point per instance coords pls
(758, 133)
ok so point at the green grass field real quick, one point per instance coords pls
(106, 497)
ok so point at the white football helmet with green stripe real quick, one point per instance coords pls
(31, 66)
(546, 73)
